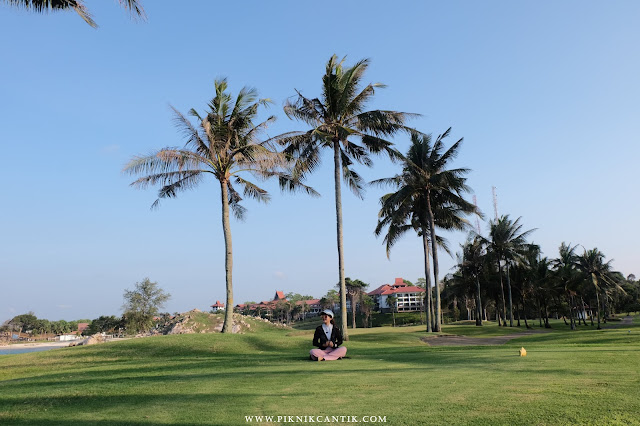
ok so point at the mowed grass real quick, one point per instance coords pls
(585, 377)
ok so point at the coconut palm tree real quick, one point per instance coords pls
(428, 196)
(507, 241)
(564, 267)
(392, 302)
(225, 145)
(78, 6)
(600, 274)
(355, 289)
(472, 264)
(337, 118)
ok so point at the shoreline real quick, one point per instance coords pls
(52, 344)
(37, 344)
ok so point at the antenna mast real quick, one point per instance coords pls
(475, 203)
(495, 201)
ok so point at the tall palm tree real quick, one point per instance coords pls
(507, 241)
(428, 196)
(224, 144)
(472, 264)
(392, 302)
(565, 274)
(336, 118)
(355, 289)
(78, 6)
(599, 272)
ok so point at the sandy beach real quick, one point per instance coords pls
(38, 344)
(17, 348)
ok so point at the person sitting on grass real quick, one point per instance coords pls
(328, 339)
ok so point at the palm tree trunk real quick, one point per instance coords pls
(546, 315)
(524, 313)
(539, 310)
(510, 300)
(338, 192)
(353, 311)
(504, 307)
(227, 327)
(434, 253)
(427, 273)
(478, 303)
(598, 309)
(571, 305)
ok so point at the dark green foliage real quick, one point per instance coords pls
(105, 324)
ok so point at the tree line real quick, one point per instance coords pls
(578, 284)
(141, 305)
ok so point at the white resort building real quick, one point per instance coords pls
(408, 298)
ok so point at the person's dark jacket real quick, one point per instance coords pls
(319, 338)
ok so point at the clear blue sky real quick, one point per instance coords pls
(545, 95)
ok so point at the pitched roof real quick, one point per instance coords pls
(404, 289)
(379, 290)
(398, 286)
(308, 302)
(279, 295)
(218, 304)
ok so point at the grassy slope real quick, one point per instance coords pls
(587, 377)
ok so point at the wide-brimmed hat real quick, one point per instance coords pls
(327, 312)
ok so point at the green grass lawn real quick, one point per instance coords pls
(584, 377)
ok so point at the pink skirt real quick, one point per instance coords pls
(329, 354)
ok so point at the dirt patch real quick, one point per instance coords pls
(624, 322)
(452, 340)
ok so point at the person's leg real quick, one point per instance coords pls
(333, 354)
(317, 354)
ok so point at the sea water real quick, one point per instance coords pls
(11, 351)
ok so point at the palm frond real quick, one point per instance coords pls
(252, 190)
(184, 181)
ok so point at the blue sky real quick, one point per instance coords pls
(545, 95)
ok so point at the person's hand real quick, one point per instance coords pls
(331, 344)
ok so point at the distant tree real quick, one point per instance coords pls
(24, 322)
(42, 326)
(104, 324)
(296, 297)
(472, 263)
(142, 304)
(355, 289)
(78, 6)
(366, 306)
(598, 274)
(507, 241)
(328, 300)
(391, 301)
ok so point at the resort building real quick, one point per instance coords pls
(312, 307)
(217, 307)
(408, 298)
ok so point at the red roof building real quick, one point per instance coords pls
(265, 305)
(408, 298)
(217, 306)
